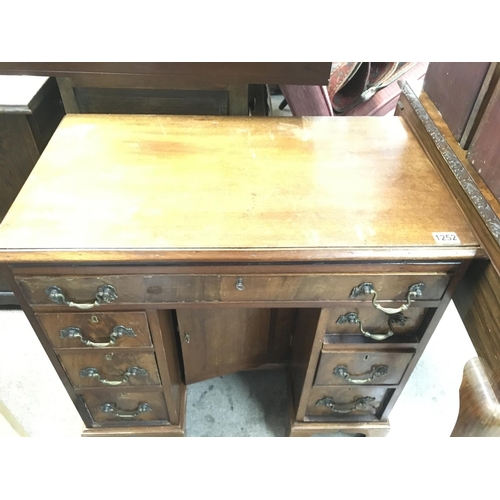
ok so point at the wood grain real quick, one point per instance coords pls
(454, 88)
(168, 356)
(479, 413)
(373, 320)
(298, 73)
(233, 184)
(97, 327)
(484, 151)
(111, 367)
(360, 365)
(222, 341)
(347, 396)
(478, 303)
(126, 402)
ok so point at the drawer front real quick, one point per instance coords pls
(128, 407)
(373, 321)
(325, 287)
(67, 330)
(109, 368)
(81, 289)
(348, 403)
(230, 288)
(362, 368)
(135, 289)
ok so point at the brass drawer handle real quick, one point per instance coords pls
(352, 317)
(105, 295)
(377, 372)
(132, 371)
(73, 332)
(414, 291)
(112, 408)
(360, 404)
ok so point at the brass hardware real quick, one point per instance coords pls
(187, 338)
(414, 291)
(111, 408)
(105, 295)
(73, 332)
(133, 371)
(352, 317)
(360, 404)
(239, 284)
(94, 319)
(377, 372)
(108, 357)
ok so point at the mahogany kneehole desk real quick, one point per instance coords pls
(151, 252)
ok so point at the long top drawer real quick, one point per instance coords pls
(165, 288)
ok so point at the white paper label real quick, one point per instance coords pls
(446, 238)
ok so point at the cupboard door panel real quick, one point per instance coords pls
(220, 341)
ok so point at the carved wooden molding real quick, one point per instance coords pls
(482, 206)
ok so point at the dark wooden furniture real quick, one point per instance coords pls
(479, 414)
(184, 248)
(30, 110)
(473, 182)
(170, 88)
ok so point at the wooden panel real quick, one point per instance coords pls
(361, 366)
(477, 299)
(282, 327)
(111, 366)
(298, 73)
(168, 356)
(330, 287)
(244, 184)
(454, 87)
(18, 155)
(139, 101)
(487, 88)
(47, 114)
(126, 403)
(479, 204)
(347, 403)
(484, 151)
(209, 288)
(306, 347)
(96, 327)
(222, 341)
(81, 289)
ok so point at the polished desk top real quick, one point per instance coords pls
(200, 188)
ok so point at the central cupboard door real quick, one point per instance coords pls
(219, 341)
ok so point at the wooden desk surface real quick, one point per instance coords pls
(249, 188)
